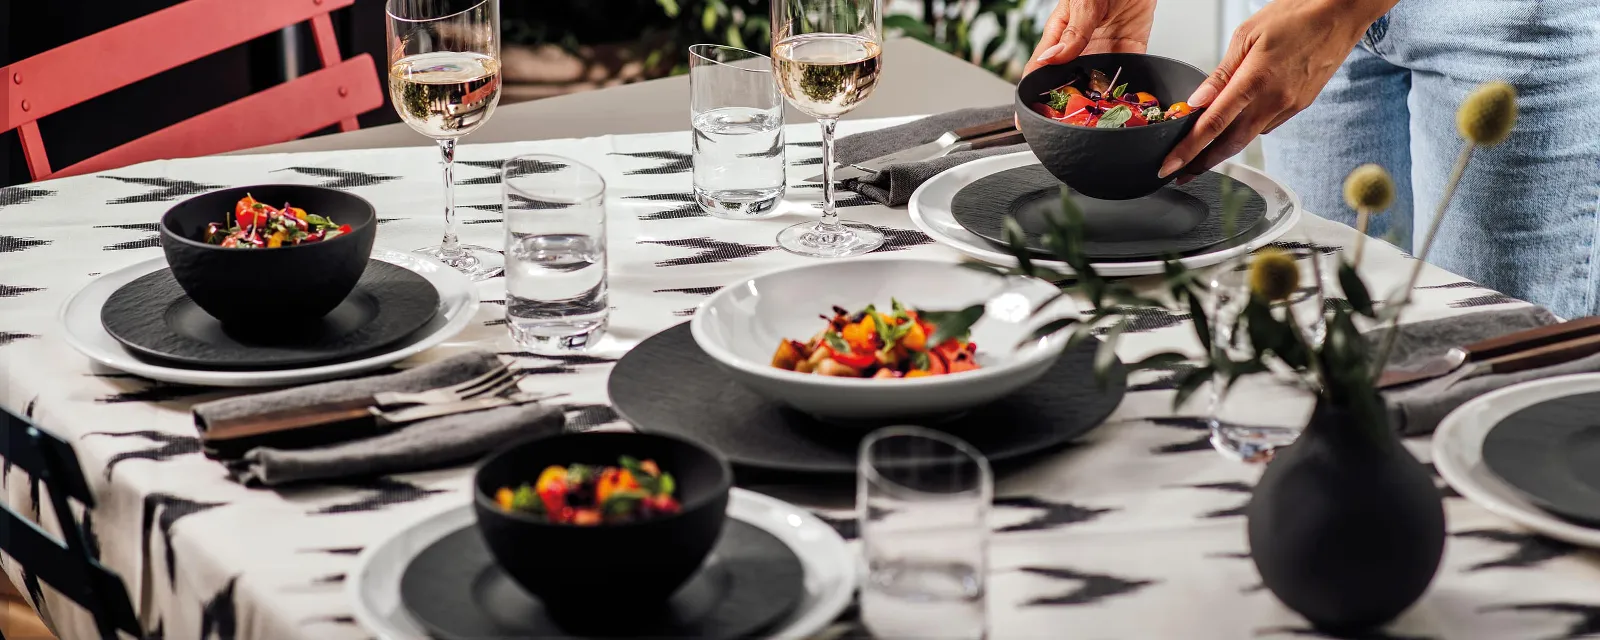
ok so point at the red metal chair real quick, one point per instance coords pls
(127, 53)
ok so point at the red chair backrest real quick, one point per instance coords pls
(127, 53)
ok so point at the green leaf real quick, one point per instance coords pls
(1190, 383)
(1354, 289)
(1121, 89)
(669, 7)
(975, 266)
(1158, 361)
(1057, 99)
(1017, 240)
(1114, 117)
(835, 342)
(525, 499)
(919, 360)
(952, 324)
(708, 18)
(1202, 324)
(881, 324)
(1105, 358)
(667, 485)
(1048, 328)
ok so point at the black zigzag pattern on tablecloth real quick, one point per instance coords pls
(900, 239)
(807, 145)
(22, 195)
(163, 189)
(156, 393)
(329, 619)
(582, 417)
(1464, 284)
(1094, 587)
(1144, 319)
(710, 251)
(7, 337)
(689, 209)
(1528, 549)
(162, 511)
(168, 446)
(219, 616)
(1051, 515)
(806, 162)
(340, 178)
(698, 291)
(1227, 487)
(12, 291)
(12, 244)
(524, 203)
(1203, 443)
(152, 240)
(674, 162)
(1308, 632)
(338, 551)
(1485, 300)
(382, 493)
(1166, 377)
(1587, 624)
(526, 168)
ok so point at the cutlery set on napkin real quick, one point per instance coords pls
(447, 412)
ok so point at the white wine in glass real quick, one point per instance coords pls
(444, 81)
(826, 57)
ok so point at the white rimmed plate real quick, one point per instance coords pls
(80, 317)
(374, 585)
(1458, 454)
(930, 211)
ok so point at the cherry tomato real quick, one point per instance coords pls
(1142, 98)
(344, 228)
(853, 360)
(1179, 110)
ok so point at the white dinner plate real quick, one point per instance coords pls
(1458, 454)
(930, 211)
(80, 317)
(374, 586)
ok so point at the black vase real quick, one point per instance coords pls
(1346, 528)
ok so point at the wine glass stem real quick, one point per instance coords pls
(830, 215)
(451, 246)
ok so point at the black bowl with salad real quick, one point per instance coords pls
(268, 255)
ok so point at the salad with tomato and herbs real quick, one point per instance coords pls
(590, 495)
(1098, 101)
(255, 225)
(872, 344)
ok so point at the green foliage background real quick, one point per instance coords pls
(668, 27)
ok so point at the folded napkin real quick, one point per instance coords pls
(421, 445)
(893, 185)
(1417, 409)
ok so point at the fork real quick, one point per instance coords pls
(492, 383)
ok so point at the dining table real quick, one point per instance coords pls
(1137, 530)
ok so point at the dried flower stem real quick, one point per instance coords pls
(1422, 256)
(1363, 216)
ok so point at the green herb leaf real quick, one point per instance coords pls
(1057, 99)
(1048, 328)
(525, 499)
(1114, 117)
(899, 310)
(1105, 358)
(881, 324)
(1158, 361)
(835, 342)
(1202, 324)
(1354, 289)
(315, 220)
(1012, 233)
(951, 324)
(919, 360)
(1191, 383)
(667, 485)
(1121, 89)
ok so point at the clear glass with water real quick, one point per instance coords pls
(736, 117)
(922, 499)
(555, 219)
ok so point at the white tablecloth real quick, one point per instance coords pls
(1137, 533)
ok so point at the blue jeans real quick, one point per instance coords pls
(1524, 220)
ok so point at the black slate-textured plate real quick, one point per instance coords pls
(152, 317)
(1171, 220)
(455, 590)
(1550, 453)
(668, 385)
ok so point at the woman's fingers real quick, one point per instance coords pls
(1243, 87)
(1067, 32)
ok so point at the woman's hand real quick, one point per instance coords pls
(1276, 65)
(1077, 27)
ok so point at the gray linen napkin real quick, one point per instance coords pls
(425, 445)
(452, 370)
(1417, 409)
(893, 186)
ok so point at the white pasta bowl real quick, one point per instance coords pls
(741, 326)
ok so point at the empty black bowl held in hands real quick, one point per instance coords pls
(275, 286)
(602, 570)
(1109, 164)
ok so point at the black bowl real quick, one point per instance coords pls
(577, 570)
(268, 286)
(1109, 164)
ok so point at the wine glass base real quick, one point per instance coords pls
(473, 261)
(842, 241)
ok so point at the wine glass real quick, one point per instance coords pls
(825, 58)
(444, 80)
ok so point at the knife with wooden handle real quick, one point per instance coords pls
(1518, 343)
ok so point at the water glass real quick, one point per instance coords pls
(1239, 428)
(922, 500)
(555, 219)
(736, 114)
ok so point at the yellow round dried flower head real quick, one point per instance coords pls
(1369, 187)
(1274, 275)
(1487, 115)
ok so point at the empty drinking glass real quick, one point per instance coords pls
(736, 114)
(555, 219)
(922, 499)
